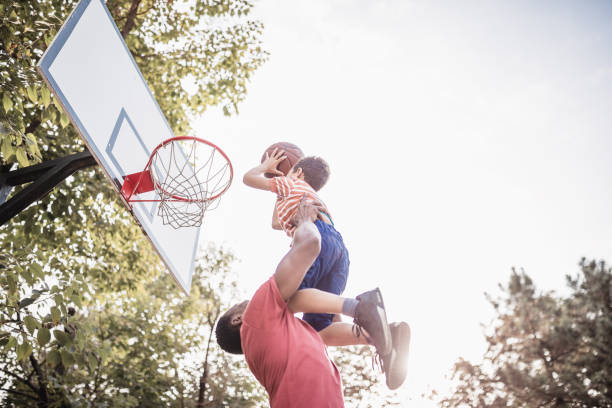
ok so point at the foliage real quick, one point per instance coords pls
(363, 384)
(545, 350)
(87, 312)
(124, 349)
(193, 54)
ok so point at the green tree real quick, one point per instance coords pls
(362, 380)
(72, 262)
(544, 350)
(142, 348)
(193, 54)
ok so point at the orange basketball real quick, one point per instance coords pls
(293, 153)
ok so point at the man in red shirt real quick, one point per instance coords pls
(286, 355)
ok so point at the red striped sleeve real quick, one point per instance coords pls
(281, 186)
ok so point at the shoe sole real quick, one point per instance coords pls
(383, 318)
(399, 368)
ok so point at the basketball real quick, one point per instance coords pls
(293, 153)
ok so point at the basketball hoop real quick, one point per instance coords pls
(188, 174)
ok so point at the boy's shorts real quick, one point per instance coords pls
(329, 271)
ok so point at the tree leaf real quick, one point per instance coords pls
(23, 351)
(67, 357)
(55, 314)
(53, 357)
(32, 95)
(25, 302)
(62, 338)
(30, 323)
(64, 121)
(92, 362)
(43, 336)
(27, 275)
(11, 343)
(7, 147)
(36, 270)
(6, 102)
(22, 158)
(76, 299)
(46, 96)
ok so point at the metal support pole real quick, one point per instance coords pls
(43, 178)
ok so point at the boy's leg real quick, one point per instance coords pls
(368, 316)
(341, 334)
(315, 301)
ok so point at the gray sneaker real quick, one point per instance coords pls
(373, 319)
(395, 364)
(372, 296)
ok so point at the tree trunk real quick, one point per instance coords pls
(204, 376)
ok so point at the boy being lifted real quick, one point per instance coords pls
(329, 272)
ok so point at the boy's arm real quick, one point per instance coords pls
(275, 221)
(255, 177)
(306, 246)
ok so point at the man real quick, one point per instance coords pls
(284, 353)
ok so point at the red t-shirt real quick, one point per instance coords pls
(286, 355)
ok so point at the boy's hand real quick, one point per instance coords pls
(255, 177)
(270, 163)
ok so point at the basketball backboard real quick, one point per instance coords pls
(93, 75)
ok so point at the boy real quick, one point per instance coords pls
(329, 271)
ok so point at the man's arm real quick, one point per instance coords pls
(306, 246)
(255, 177)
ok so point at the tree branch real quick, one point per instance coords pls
(130, 18)
(204, 376)
(23, 394)
(25, 381)
(42, 391)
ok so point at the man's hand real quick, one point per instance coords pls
(308, 210)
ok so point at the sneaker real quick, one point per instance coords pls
(372, 296)
(373, 319)
(395, 364)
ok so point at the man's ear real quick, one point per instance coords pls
(299, 173)
(236, 320)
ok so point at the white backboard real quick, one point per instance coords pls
(95, 78)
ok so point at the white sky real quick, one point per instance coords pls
(464, 138)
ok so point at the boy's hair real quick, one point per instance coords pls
(228, 335)
(316, 171)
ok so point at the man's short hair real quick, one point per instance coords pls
(316, 171)
(228, 335)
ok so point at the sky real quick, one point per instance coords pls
(464, 139)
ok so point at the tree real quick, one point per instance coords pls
(147, 347)
(544, 350)
(71, 263)
(361, 378)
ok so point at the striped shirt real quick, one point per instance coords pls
(289, 192)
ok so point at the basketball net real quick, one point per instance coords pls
(188, 174)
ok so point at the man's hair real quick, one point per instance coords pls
(316, 171)
(228, 335)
